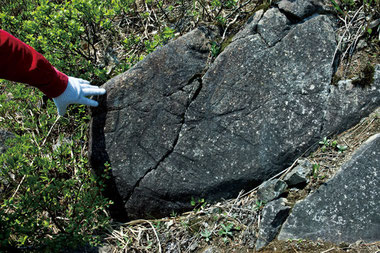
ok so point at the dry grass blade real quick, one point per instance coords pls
(346, 34)
(51, 128)
(158, 239)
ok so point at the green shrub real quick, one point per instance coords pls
(49, 198)
(70, 34)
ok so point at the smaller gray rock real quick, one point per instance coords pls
(251, 26)
(273, 26)
(298, 8)
(300, 174)
(345, 208)
(274, 214)
(271, 189)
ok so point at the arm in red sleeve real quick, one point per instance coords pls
(21, 63)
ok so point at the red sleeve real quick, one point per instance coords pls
(21, 63)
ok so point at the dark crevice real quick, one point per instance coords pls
(230, 112)
(294, 22)
(196, 77)
(99, 156)
(264, 41)
(278, 41)
(293, 19)
(335, 63)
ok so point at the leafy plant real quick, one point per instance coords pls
(259, 204)
(341, 148)
(50, 200)
(316, 168)
(215, 49)
(173, 214)
(198, 204)
(226, 230)
(206, 234)
(325, 142)
(157, 224)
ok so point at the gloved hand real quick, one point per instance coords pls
(75, 93)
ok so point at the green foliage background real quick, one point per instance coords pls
(49, 199)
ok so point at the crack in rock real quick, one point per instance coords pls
(196, 78)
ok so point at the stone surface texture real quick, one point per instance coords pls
(298, 8)
(346, 208)
(271, 189)
(172, 132)
(300, 174)
(274, 214)
(273, 26)
(137, 124)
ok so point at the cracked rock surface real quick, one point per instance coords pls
(172, 134)
(137, 124)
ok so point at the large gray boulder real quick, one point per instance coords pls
(137, 124)
(172, 134)
(258, 109)
(346, 208)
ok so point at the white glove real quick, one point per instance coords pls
(75, 93)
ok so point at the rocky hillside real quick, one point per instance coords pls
(174, 128)
(242, 126)
(181, 132)
(247, 223)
